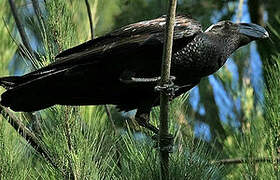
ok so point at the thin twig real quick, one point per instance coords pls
(165, 75)
(68, 130)
(69, 143)
(90, 19)
(21, 28)
(110, 117)
(243, 160)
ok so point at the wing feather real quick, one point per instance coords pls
(127, 39)
(134, 33)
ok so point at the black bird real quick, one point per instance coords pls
(123, 67)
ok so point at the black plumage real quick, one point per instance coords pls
(106, 70)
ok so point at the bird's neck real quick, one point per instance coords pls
(226, 45)
(204, 55)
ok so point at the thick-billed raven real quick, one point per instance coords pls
(123, 67)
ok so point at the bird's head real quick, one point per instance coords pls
(243, 33)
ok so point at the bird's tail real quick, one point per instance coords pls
(31, 92)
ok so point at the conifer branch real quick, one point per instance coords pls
(26, 134)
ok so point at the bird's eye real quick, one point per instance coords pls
(229, 25)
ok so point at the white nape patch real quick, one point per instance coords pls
(208, 29)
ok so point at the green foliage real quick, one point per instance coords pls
(189, 161)
(11, 148)
(273, 115)
(259, 137)
(7, 48)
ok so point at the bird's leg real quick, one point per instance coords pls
(143, 117)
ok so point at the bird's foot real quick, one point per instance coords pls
(149, 126)
(164, 144)
(143, 120)
(169, 89)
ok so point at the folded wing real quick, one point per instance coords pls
(134, 47)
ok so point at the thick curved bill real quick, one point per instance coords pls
(253, 30)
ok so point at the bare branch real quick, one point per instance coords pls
(243, 160)
(165, 75)
(90, 19)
